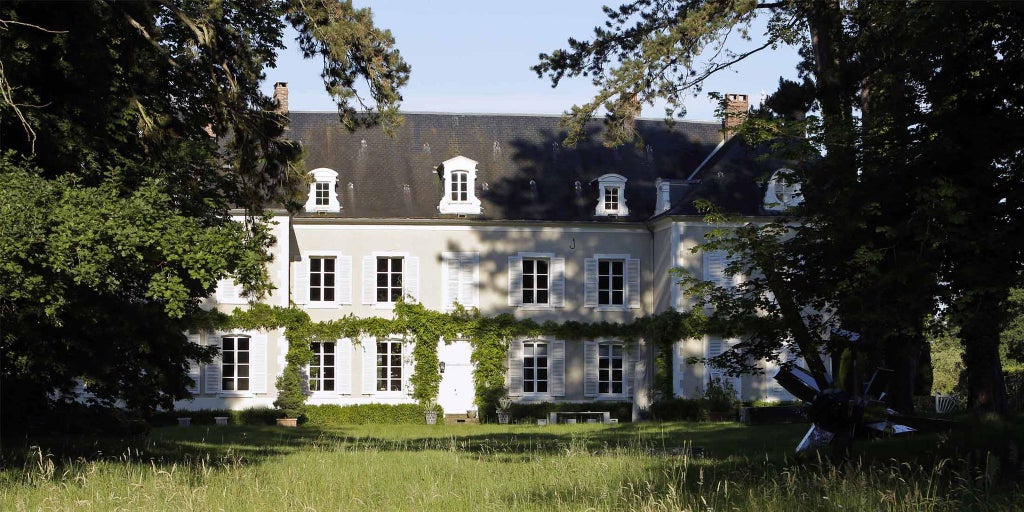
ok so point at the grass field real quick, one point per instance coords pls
(662, 467)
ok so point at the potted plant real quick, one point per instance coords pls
(430, 411)
(720, 397)
(291, 397)
(504, 403)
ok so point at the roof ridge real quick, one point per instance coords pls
(508, 114)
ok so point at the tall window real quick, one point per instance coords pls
(323, 197)
(321, 369)
(389, 366)
(536, 281)
(611, 199)
(460, 186)
(535, 367)
(611, 282)
(389, 279)
(321, 279)
(234, 363)
(609, 368)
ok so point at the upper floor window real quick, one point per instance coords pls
(387, 276)
(611, 195)
(460, 278)
(536, 280)
(459, 175)
(611, 281)
(323, 195)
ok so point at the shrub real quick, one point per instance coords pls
(622, 411)
(331, 415)
(1014, 376)
(721, 396)
(680, 409)
(291, 392)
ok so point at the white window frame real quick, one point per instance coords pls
(612, 289)
(323, 274)
(632, 297)
(402, 368)
(608, 184)
(623, 358)
(323, 176)
(536, 368)
(236, 365)
(555, 369)
(449, 204)
(342, 280)
(556, 280)
(319, 363)
(410, 278)
(536, 289)
(213, 378)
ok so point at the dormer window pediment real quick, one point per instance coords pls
(323, 192)
(459, 175)
(611, 198)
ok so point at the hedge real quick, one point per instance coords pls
(680, 409)
(331, 415)
(251, 416)
(529, 413)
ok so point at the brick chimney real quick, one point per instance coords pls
(736, 107)
(281, 97)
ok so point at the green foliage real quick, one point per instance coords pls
(720, 396)
(291, 392)
(1014, 377)
(680, 409)
(129, 130)
(250, 416)
(947, 362)
(330, 415)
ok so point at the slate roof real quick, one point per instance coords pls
(381, 177)
(734, 179)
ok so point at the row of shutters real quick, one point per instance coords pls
(343, 367)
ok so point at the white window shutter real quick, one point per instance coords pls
(258, 362)
(633, 283)
(590, 283)
(302, 281)
(450, 275)
(681, 369)
(213, 369)
(557, 282)
(469, 295)
(411, 278)
(343, 284)
(515, 368)
(590, 367)
(228, 292)
(714, 267)
(193, 367)
(370, 281)
(632, 356)
(369, 365)
(556, 368)
(343, 366)
(515, 284)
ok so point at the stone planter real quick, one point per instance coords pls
(221, 420)
(288, 422)
(431, 417)
(504, 417)
(184, 422)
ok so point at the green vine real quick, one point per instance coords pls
(489, 337)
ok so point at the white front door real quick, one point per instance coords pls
(457, 390)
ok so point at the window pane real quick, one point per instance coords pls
(617, 297)
(542, 266)
(542, 297)
(329, 265)
(229, 344)
(243, 343)
(243, 358)
(329, 294)
(617, 387)
(542, 387)
(528, 281)
(527, 266)
(243, 370)
(528, 386)
(396, 264)
(314, 264)
(227, 384)
(542, 373)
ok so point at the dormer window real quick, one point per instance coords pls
(459, 175)
(611, 195)
(783, 191)
(323, 195)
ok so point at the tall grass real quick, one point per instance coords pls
(583, 467)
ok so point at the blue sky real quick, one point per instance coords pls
(475, 57)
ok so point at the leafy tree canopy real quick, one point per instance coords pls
(128, 131)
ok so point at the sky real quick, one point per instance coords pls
(475, 57)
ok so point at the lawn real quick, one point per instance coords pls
(670, 466)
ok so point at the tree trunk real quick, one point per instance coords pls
(986, 388)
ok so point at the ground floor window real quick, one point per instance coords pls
(535, 367)
(610, 360)
(321, 369)
(234, 363)
(389, 366)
